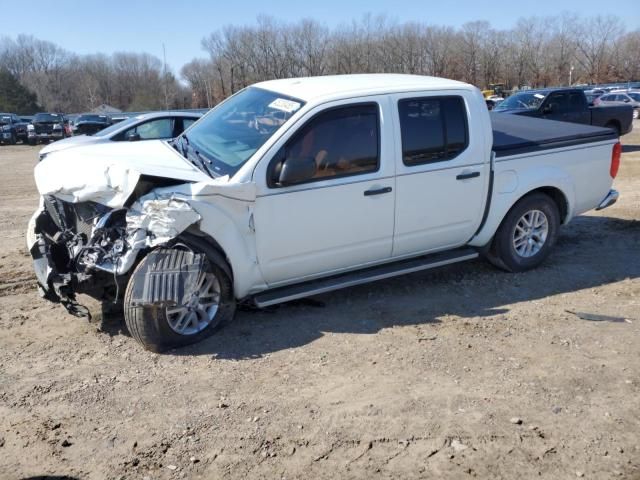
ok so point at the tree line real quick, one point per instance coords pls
(66, 82)
(536, 52)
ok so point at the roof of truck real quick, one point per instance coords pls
(344, 86)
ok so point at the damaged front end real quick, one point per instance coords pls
(90, 248)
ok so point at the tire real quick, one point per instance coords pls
(154, 327)
(517, 249)
(13, 140)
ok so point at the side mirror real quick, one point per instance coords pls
(297, 170)
(547, 109)
(133, 137)
(626, 100)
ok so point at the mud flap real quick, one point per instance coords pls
(167, 277)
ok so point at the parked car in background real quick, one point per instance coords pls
(12, 129)
(90, 124)
(47, 127)
(568, 105)
(149, 126)
(634, 95)
(620, 98)
(296, 187)
(592, 98)
(493, 101)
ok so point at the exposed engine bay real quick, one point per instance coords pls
(87, 247)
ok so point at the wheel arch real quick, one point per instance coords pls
(615, 124)
(558, 192)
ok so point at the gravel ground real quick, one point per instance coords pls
(460, 372)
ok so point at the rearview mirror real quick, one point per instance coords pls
(133, 137)
(297, 170)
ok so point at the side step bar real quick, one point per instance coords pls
(358, 277)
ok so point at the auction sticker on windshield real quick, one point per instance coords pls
(285, 105)
(538, 95)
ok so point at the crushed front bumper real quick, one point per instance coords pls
(74, 248)
(610, 199)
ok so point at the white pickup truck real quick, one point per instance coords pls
(296, 187)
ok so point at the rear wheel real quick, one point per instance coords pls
(209, 306)
(526, 235)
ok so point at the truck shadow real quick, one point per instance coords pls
(630, 148)
(592, 251)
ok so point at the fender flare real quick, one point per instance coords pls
(555, 181)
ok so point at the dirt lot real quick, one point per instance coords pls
(455, 373)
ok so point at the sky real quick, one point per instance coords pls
(107, 26)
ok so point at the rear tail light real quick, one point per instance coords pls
(615, 159)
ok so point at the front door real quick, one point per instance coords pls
(342, 216)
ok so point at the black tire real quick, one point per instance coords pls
(13, 140)
(150, 325)
(502, 252)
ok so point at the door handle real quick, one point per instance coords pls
(377, 191)
(466, 176)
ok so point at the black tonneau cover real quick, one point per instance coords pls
(515, 134)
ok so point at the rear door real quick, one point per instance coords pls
(442, 171)
(578, 109)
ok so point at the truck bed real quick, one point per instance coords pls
(515, 134)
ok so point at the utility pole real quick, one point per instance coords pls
(164, 77)
(570, 74)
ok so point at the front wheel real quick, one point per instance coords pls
(526, 235)
(208, 302)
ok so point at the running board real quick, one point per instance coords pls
(358, 277)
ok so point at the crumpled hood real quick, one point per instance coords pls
(107, 173)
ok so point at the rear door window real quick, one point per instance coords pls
(576, 102)
(433, 129)
(558, 102)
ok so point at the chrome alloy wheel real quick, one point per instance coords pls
(200, 310)
(530, 233)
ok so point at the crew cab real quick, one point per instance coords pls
(297, 187)
(568, 105)
(12, 129)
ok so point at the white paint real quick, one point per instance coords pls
(329, 226)
(108, 173)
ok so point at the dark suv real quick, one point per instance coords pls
(90, 124)
(48, 126)
(12, 129)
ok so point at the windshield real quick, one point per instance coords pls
(232, 132)
(91, 118)
(47, 117)
(635, 96)
(522, 101)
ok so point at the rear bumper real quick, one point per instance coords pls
(610, 199)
